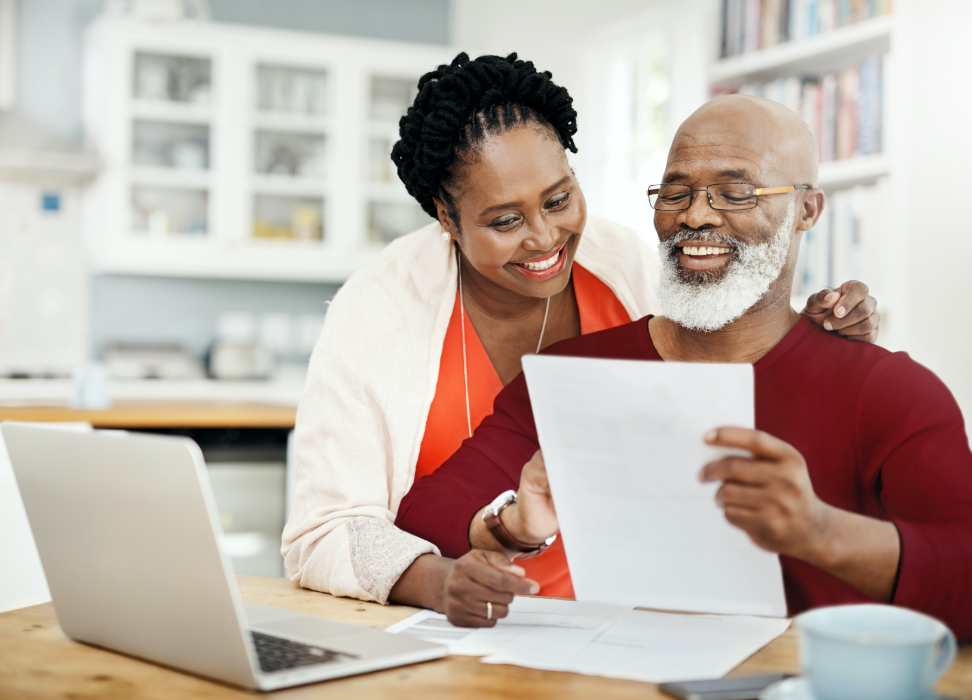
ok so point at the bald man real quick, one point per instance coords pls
(860, 474)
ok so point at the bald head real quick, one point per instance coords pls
(775, 140)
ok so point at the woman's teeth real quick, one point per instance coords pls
(540, 266)
(703, 250)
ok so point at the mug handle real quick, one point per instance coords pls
(946, 655)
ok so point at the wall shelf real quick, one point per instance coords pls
(171, 112)
(863, 170)
(822, 52)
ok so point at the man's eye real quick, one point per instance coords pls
(673, 197)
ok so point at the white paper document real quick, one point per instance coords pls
(605, 640)
(622, 443)
(544, 626)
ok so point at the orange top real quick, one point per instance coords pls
(446, 427)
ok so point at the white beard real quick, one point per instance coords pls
(710, 305)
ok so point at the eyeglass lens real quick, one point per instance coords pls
(723, 196)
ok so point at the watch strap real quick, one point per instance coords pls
(495, 525)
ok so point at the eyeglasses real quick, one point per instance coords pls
(724, 196)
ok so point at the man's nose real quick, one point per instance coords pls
(700, 212)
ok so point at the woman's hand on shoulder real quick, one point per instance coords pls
(480, 586)
(849, 311)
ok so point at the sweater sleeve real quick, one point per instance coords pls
(913, 441)
(356, 437)
(440, 506)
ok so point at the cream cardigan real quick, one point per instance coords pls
(369, 388)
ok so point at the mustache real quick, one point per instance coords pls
(703, 235)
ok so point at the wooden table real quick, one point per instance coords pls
(38, 661)
(129, 413)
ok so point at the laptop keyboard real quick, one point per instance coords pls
(278, 654)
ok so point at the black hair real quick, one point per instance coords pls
(459, 105)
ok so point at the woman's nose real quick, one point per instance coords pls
(542, 237)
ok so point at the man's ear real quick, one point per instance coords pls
(442, 214)
(813, 206)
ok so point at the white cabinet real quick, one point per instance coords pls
(245, 153)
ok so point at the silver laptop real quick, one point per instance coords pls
(129, 538)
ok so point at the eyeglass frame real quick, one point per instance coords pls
(757, 191)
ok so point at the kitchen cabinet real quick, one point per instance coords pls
(248, 153)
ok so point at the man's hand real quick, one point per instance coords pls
(478, 578)
(532, 519)
(848, 310)
(768, 495)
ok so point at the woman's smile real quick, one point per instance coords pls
(544, 267)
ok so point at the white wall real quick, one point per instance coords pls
(933, 51)
(553, 35)
(8, 48)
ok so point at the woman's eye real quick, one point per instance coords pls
(505, 222)
(559, 201)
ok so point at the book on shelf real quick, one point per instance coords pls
(752, 25)
(844, 108)
(830, 252)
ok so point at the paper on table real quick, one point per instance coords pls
(545, 626)
(613, 641)
(622, 442)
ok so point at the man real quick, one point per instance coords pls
(860, 475)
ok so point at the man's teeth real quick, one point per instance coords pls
(540, 266)
(705, 250)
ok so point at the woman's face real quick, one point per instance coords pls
(521, 212)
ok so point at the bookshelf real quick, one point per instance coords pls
(852, 123)
(245, 153)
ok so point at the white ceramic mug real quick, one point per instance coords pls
(873, 652)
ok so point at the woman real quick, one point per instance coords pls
(418, 343)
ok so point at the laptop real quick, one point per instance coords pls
(129, 538)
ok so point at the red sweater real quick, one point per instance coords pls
(881, 435)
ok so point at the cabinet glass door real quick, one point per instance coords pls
(170, 147)
(290, 153)
(390, 211)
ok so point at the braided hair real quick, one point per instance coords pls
(459, 105)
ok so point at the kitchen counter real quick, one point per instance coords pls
(161, 403)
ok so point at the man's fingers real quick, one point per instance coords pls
(863, 311)
(535, 470)
(851, 294)
(822, 301)
(736, 495)
(757, 442)
(737, 469)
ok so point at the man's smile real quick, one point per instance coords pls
(703, 255)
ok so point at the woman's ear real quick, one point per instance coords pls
(442, 213)
(812, 208)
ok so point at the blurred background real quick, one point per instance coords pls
(185, 184)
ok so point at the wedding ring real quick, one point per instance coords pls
(489, 611)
